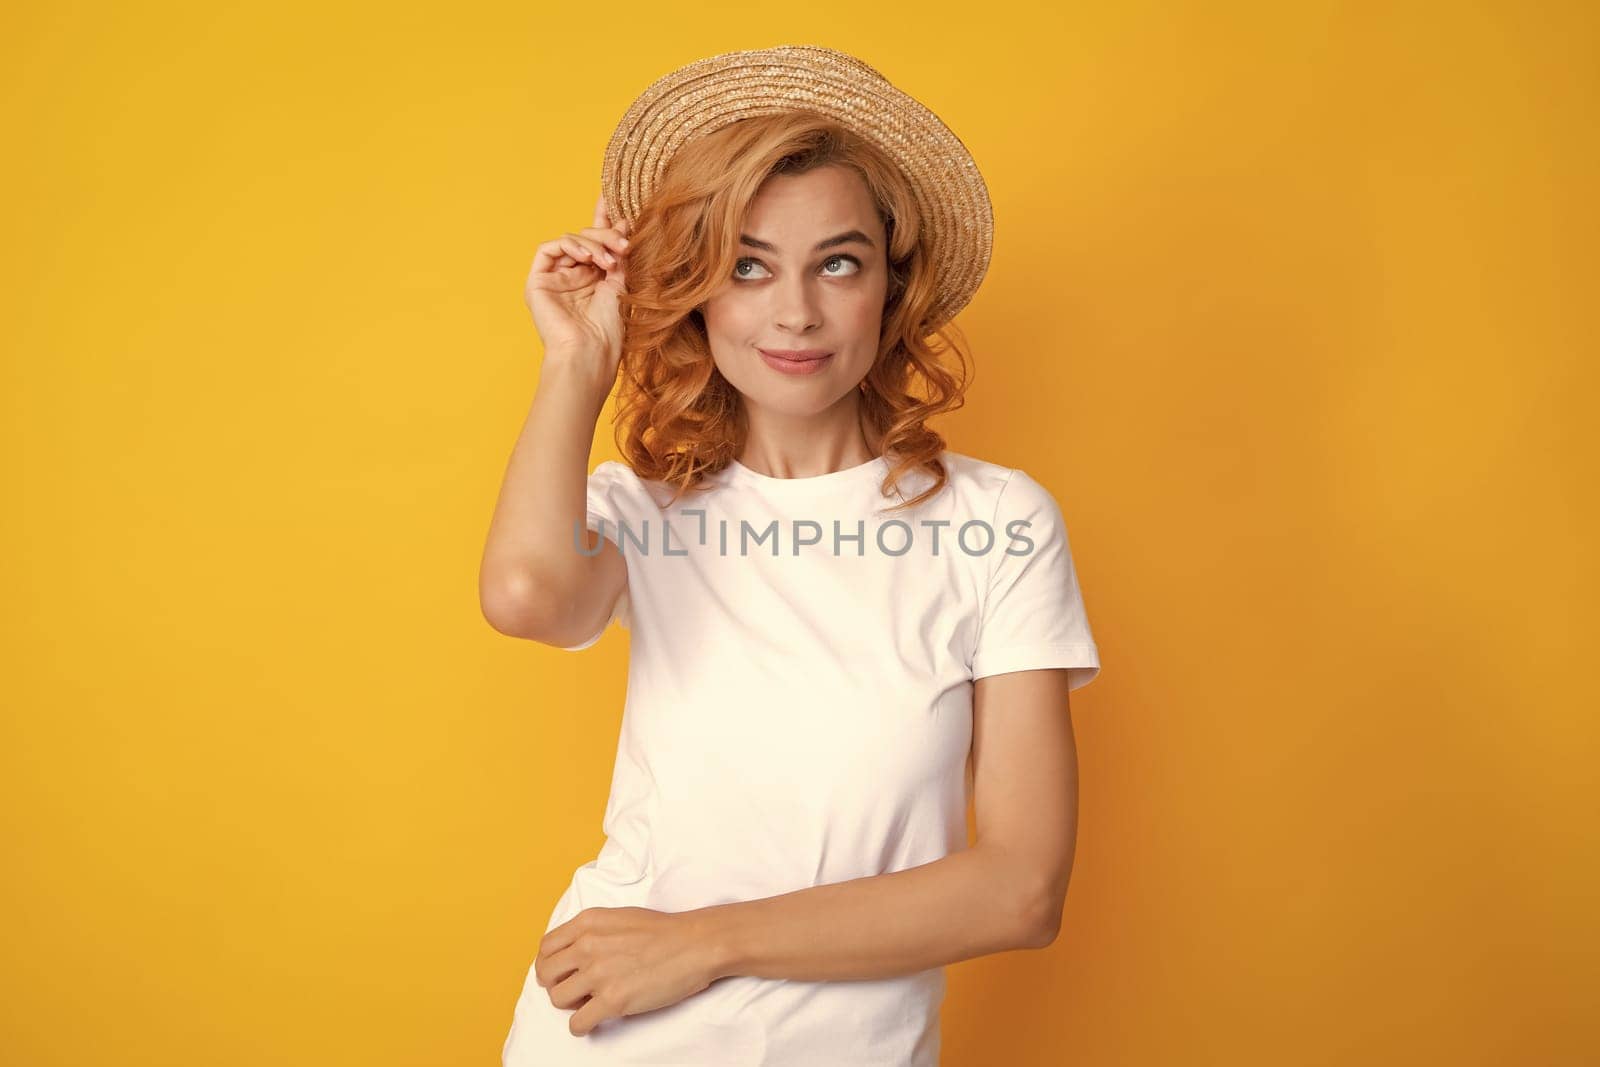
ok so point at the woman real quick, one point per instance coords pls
(842, 630)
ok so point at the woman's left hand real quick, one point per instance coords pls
(624, 961)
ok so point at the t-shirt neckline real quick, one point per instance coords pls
(739, 474)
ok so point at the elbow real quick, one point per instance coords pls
(1035, 890)
(501, 615)
(511, 604)
(1031, 894)
(1041, 922)
(1037, 916)
(526, 605)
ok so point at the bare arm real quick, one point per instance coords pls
(533, 582)
(1005, 892)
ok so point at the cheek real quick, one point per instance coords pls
(863, 311)
(728, 315)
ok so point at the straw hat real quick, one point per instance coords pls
(710, 93)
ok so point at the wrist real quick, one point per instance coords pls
(715, 937)
(578, 377)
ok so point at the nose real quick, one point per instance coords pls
(796, 306)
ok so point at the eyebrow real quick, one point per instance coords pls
(839, 239)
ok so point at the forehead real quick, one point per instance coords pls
(826, 198)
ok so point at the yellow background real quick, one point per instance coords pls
(1291, 306)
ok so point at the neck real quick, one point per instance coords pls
(790, 446)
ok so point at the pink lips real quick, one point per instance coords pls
(796, 360)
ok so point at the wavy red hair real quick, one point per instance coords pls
(678, 419)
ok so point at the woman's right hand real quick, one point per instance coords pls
(574, 288)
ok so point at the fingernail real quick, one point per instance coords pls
(622, 242)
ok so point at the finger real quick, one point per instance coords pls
(579, 249)
(588, 248)
(601, 216)
(561, 252)
(589, 1016)
(609, 236)
(570, 990)
(556, 966)
(566, 280)
(547, 256)
(561, 937)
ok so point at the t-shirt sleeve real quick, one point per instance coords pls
(1033, 614)
(607, 483)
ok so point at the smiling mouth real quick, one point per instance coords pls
(797, 363)
(795, 355)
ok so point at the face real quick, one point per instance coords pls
(810, 281)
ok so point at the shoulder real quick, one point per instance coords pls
(970, 470)
(614, 487)
(1008, 490)
(610, 472)
(618, 484)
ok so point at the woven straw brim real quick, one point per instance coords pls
(708, 94)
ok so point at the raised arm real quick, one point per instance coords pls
(533, 582)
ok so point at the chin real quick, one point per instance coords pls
(800, 401)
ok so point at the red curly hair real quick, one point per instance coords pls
(678, 419)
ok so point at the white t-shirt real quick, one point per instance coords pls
(799, 712)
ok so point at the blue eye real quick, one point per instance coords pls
(843, 259)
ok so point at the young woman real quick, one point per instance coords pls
(842, 631)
